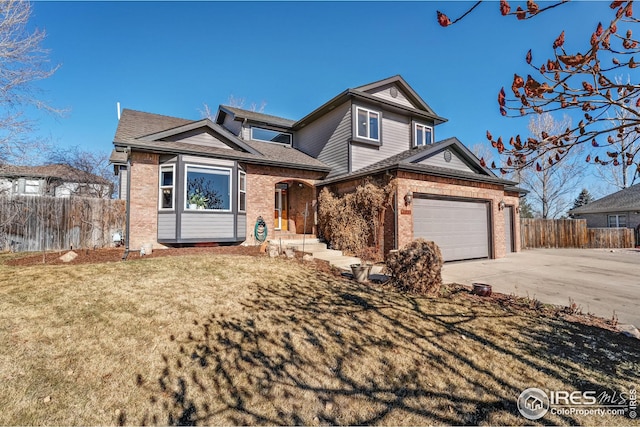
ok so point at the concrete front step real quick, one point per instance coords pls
(319, 250)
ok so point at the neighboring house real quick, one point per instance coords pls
(619, 209)
(209, 180)
(55, 180)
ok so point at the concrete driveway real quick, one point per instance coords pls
(601, 281)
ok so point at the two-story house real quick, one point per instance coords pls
(196, 181)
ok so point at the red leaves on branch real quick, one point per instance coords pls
(490, 137)
(632, 63)
(559, 41)
(629, 11)
(501, 97)
(443, 19)
(520, 14)
(500, 145)
(483, 163)
(588, 159)
(616, 3)
(509, 161)
(599, 29)
(588, 87)
(538, 167)
(572, 60)
(493, 165)
(529, 57)
(532, 7)
(504, 7)
(594, 143)
(638, 103)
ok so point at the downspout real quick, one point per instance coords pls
(128, 205)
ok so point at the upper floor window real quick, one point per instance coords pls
(368, 126)
(423, 134)
(166, 187)
(269, 135)
(617, 221)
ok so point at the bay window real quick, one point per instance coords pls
(208, 188)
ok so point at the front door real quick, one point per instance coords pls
(280, 213)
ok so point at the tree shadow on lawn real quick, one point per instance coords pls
(311, 349)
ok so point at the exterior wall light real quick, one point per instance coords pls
(408, 198)
(501, 205)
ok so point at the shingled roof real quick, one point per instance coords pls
(55, 171)
(137, 129)
(622, 201)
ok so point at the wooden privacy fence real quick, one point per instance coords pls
(36, 223)
(572, 233)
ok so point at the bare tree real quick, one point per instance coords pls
(549, 188)
(622, 174)
(88, 164)
(23, 62)
(233, 101)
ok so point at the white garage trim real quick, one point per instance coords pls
(460, 227)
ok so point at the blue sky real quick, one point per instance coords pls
(172, 57)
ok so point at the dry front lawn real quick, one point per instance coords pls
(229, 339)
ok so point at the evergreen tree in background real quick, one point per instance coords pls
(583, 198)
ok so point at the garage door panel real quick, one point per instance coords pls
(459, 228)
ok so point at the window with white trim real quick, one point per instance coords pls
(423, 134)
(208, 188)
(368, 124)
(617, 221)
(167, 193)
(242, 191)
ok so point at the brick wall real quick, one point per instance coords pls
(448, 187)
(261, 182)
(144, 200)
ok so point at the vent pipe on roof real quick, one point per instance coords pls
(118, 108)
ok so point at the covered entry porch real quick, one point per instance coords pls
(294, 207)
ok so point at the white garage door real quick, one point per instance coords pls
(459, 228)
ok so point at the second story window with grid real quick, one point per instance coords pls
(423, 134)
(368, 126)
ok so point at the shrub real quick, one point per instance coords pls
(416, 268)
(354, 221)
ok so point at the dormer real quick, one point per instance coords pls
(254, 126)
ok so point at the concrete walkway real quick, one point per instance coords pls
(600, 281)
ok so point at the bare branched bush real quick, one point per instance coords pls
(354, 222)
(416, 268)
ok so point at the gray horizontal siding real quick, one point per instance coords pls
(241, 227)
(122, 188)
(327, 138)
(396, 138)
(200, 137)
(437, 159)
(166, 226)
(384, 92)
(233, 126)
(206, 225)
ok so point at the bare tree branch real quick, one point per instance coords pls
(23, 62)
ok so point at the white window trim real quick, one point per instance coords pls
(242, 174)
(415, 134)
(162, 187)
(213, 168)
(272, 130)
(368, 111)
(617, 217)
